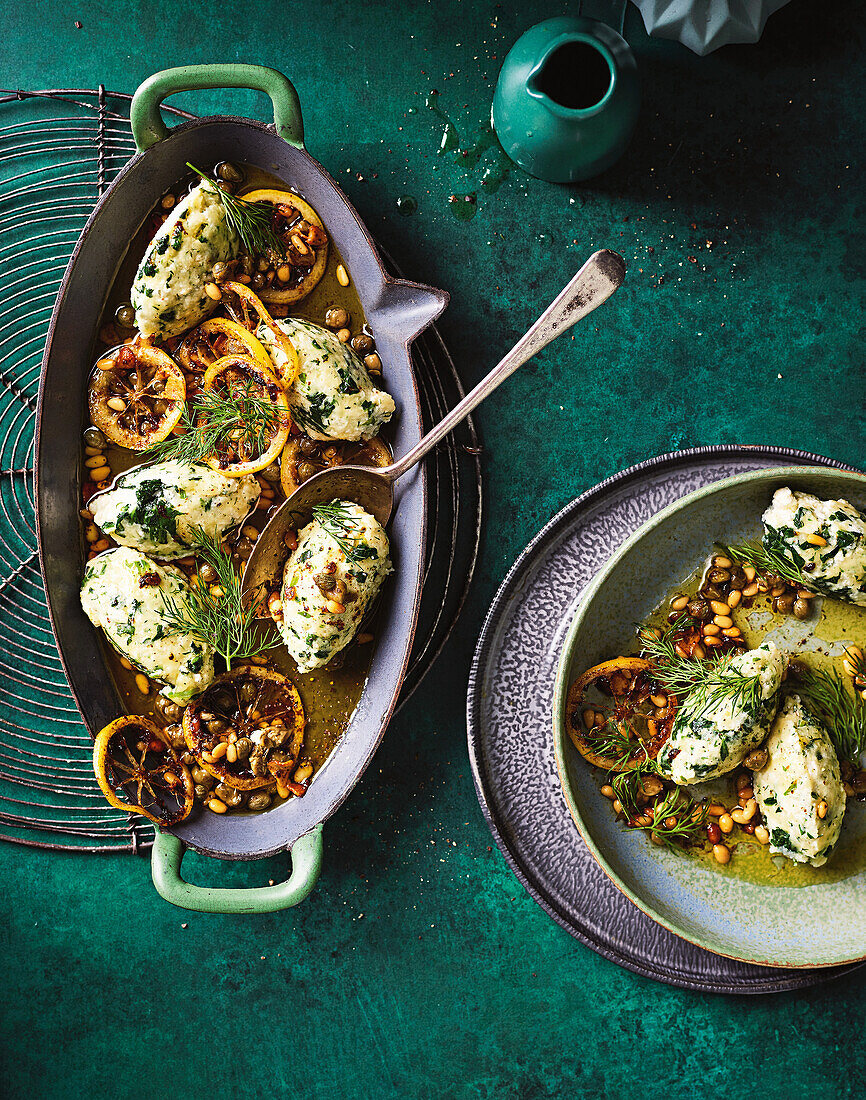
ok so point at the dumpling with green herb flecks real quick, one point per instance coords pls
(333, 396)
(799, 791)
(164, 507)
(824, 539)
(330, 580)
(723, 719)
(168, 293)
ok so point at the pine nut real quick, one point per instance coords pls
(734, 597)
(607, 790)
(91, 533)
(142, 683)
(726, 823)
(213, 291)
(816, 540)
(617, 806)
(100, 545)
(284, 273)
(91, 451)
(303, 773)
(659, 700)
(125, 662)
(750, 590)
(777, 590)
(219, 751)
(822, 809)
(709, 629)
(100, 474)
(679, 603)
(750, 572)
(850, 668)
(250, 533)
(344, 335)
(364, 639)
(342, 275)
(232, 755)
(715, 810)
(805, 594)
(712, 641)
(117, 404)
(720, 608)
(722, 563)
(334, 607)
(373, 363)
(762, 834)
(105, 364)
(699, 652)
(744, 814)
(217, 806)
(95, 461)
(854, 653)
(732, 632)
(216, 592)
(589, 718)
(721, 853)
(723, 621)
(282, 791)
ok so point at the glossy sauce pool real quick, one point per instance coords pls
(331, 694)
(817, 642)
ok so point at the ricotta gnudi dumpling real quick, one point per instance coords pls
(800, 781)
(122, 593)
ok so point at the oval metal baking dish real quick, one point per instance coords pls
(396, 310)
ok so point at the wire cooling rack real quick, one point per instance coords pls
(59, 150)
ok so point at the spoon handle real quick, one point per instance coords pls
(599, 277)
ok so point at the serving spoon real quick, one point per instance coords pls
(373, 488)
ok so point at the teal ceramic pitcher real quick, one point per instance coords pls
(567, 99)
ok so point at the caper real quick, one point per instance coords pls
(259, 800)
(272, 472)
(125, 315)
(258, 281)
(201, 791)
(308, 447)
(175, 735)
(247, 264)
(93, 437)
(189, 759)
(248, 691)
(306, 470)
(362, 343)
(221, 272)
(243, 747)
(710, 592)
(719, 576)
(336, 317)
(217, 726)
(230, 795)
(169, 710)
(801, 609)
(738, 580)
(325, 582)
(698, 610)
(201, 777)
(208, 574)
(784, 604)
(228, 171)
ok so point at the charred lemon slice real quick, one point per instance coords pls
(249, 312)
(303, 457)
(298, 226)
(615, 705)
(239, 394)
(136, 395)
(247, 729)
(138, 771)
(211, 340)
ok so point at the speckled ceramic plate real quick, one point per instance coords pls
(821, 923)
(511, 748)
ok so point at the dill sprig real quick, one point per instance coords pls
(250, 220)
(841, 710)
(344, 528)
(690, 816)
(703, 684)
(226, 621)
(611, 742)
(213, 418)
(768, 562)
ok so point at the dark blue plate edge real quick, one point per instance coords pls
(776, 981)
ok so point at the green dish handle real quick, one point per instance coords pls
(148, 127)
(168, 854)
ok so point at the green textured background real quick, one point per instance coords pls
(419, 967)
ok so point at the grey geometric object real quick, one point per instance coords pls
(509, 707)
(705, 25)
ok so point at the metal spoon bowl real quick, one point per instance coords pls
(373, 488)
